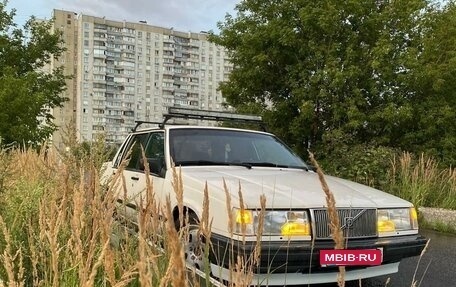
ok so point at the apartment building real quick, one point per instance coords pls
(124, 71)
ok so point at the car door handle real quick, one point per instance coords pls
(135, 178)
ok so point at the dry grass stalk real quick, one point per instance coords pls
(106, 231)
(34, 256)
(144, 270)
(204, 231)
(334, 221)
(77, 225)
(126, 277)
(205, 223)
(243, 269)
(93, 272)
(178, 187)
(52, 225)
(176, 271)
(242, 273)
(14, 273)
(257, 250)
(229, 211)
(242, 207)
(144, 219)
(90, 212)
(414, 281)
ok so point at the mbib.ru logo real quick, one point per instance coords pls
(350, 257)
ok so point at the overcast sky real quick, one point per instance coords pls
(182, 15)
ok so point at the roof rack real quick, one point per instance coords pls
(209, 115)
(138, 123)
(186, 113)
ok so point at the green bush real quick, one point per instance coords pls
(422, 181)
(364, 163)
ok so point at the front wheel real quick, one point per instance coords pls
(193, 243)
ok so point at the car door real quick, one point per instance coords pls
(155, 155)
(135, 177)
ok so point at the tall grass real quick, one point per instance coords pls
(422, 181)
(58, 227)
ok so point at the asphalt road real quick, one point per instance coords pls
(437, 267)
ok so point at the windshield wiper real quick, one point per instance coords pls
(209, 162)
(270, 164)
(248, 165)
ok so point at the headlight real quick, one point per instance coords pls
(281, 223)
(395, 220)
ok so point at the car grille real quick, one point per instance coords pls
(355, 223)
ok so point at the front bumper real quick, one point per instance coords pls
(302, 257)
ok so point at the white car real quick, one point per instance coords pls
(295, 231)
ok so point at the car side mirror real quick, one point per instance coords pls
(156, 165)
(311, 167)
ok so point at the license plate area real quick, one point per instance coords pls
(351, 257)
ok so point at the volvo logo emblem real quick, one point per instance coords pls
(349, 221)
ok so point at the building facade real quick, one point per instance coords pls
(125, 71)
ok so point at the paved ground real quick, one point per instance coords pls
(435, 269)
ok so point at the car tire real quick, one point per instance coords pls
(193, 242)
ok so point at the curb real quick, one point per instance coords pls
(438, 216)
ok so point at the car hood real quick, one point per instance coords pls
(284, 188)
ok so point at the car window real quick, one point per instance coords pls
(219, 146)
(138, 141)
(270, 151)
(155, 154)
(156, 145)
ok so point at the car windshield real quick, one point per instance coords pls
(230, 147)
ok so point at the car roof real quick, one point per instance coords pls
(172, 127)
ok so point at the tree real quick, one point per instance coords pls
(319, 68)
(434, 79)
(28, 90)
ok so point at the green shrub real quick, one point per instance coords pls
(422, 181)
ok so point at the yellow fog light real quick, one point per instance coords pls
(295, 229)
(386, 226)
(244, 216)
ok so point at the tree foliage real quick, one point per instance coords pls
(358, 70)
(28, 89)
(434, 80)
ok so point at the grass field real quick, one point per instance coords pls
(56, 223)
